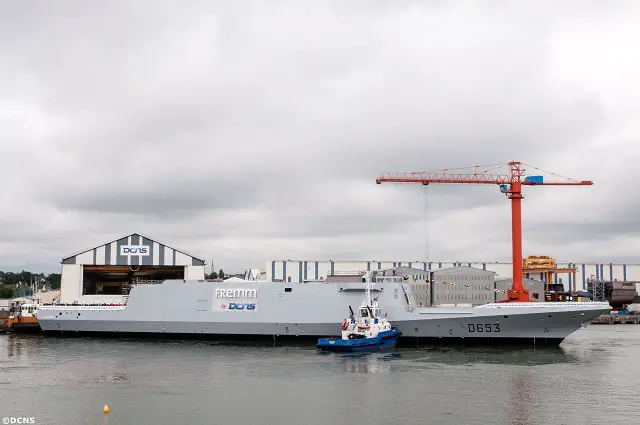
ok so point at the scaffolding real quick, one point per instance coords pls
(598, 288)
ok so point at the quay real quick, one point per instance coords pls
(616, 319)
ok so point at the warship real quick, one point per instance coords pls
(283, 310)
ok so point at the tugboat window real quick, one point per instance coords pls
(287, 289)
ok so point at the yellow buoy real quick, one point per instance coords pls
(106, 409)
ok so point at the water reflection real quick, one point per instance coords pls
(426, 358)
(365, 362)
(490, 355)
(26, 345)
(365, 365)
(16, 346)
(19, 345)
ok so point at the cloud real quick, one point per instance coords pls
(246, 132)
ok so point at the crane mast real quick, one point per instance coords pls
(511, 185)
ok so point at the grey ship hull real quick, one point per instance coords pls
(311, 310)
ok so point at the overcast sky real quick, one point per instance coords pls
(249, 131)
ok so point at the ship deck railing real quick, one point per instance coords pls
(547, 304)
(81, 307)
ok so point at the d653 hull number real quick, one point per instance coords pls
(487, 327)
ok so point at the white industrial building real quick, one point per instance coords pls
(105, 273)
(304, 270)
(460, 285)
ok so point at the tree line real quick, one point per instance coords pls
(12, 283)
(215, 275)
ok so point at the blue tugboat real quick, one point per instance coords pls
(369, 331)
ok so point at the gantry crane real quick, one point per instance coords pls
(547, 267)
(510, 184)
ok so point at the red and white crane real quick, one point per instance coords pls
(510, 184)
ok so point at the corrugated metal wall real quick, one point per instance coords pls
(463, 285)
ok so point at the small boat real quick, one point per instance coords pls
(22, 318)
(369, 331)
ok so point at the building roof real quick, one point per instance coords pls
(464, 267)
(21, 300)
(49, 297)
(126, 236)
(414, 269)
(234, 279)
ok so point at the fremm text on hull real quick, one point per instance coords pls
(236, 293)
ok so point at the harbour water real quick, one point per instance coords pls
(590, 379)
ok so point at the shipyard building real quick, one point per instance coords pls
(462, 285)
(575, 280)
(105, 273)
